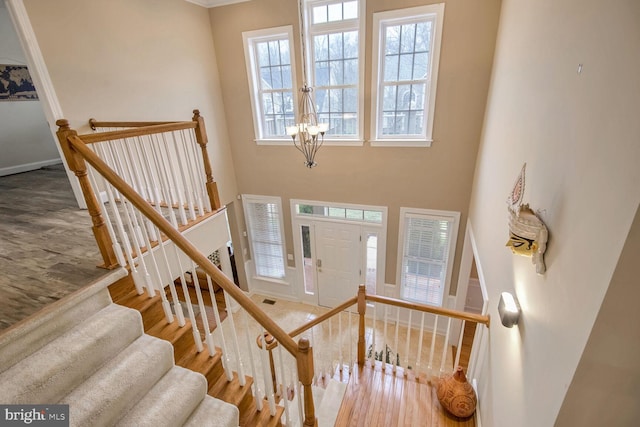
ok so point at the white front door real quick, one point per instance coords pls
(338, 262)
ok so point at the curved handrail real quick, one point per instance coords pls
(462, 315)
(180, 241)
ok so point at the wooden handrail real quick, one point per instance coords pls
(76, 144)
(477, 318)
(322, 318)
(97, 124)
(92, 138)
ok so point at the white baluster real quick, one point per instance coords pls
(165, 187)
(457, 361)
(234, 340)
(187, 300)
(340, 339)
(433, 346)
(208, 339)
(419, 358)
(444, 347)
(384, 340)
(174, 181)
(192, 169)
(407, 344)
(395, 342)
(373, 336)
(258, 396)
(331, 369)
(182, 172)
(223, 341)
(351, 360)
(283, 390)
(266, 371)
(177, 308)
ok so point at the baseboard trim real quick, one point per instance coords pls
(11, 170)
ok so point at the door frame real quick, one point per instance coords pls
(297, 221)
(42, 82)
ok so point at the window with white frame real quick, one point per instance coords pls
(268, 55)
(406, 51)
(428, 240)
(334, 37)
(264, 226)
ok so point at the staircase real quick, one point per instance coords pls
(92, 354)
(186, 356)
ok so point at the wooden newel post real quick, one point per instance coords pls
(305, 374)
(79, 167)
(362, 309)
(201, 137)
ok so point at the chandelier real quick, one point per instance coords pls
(307, 134)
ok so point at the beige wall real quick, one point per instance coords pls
(579, 135)
(135, 60)
(608, 374)
(438, 177)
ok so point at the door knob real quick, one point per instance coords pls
(319, 264)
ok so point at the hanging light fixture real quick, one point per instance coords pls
(307, 134)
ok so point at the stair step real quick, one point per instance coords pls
(207, 365)
(181, 337)
(116, 387)
(231, 391)
(170, 402)
(54, 320)
(251, 416)
(150, 308)
(58, 367)
(214, 413)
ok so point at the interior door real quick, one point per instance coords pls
(338, 262)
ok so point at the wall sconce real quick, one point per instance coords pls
(509, 309)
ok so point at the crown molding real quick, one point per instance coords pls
(215, 3)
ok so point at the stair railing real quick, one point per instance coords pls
(160, 161)
(142, 211)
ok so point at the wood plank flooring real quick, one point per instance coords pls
(47, 249)
(386, 399)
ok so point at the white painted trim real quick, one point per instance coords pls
(26, 167)
(404, 15)
(215, 3)
(404, 212)
(42, 82)
(249, 39)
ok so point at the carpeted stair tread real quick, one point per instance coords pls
(214, 413)
(55, 369)
(170, 402)
(54, 320)
(117, 386)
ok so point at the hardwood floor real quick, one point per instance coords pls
(47, 249)
(376, 397)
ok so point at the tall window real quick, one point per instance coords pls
(428, 241)
(264, 223)
(406, 50)
(335, 55)
(271, 78)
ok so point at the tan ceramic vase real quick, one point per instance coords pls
(456, 394)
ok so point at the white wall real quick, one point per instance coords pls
(26, 142)
(135, 60)
(579, 134)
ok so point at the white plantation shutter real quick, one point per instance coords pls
(264, 223)
(428, 243)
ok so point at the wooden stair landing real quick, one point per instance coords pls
(375, 397)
